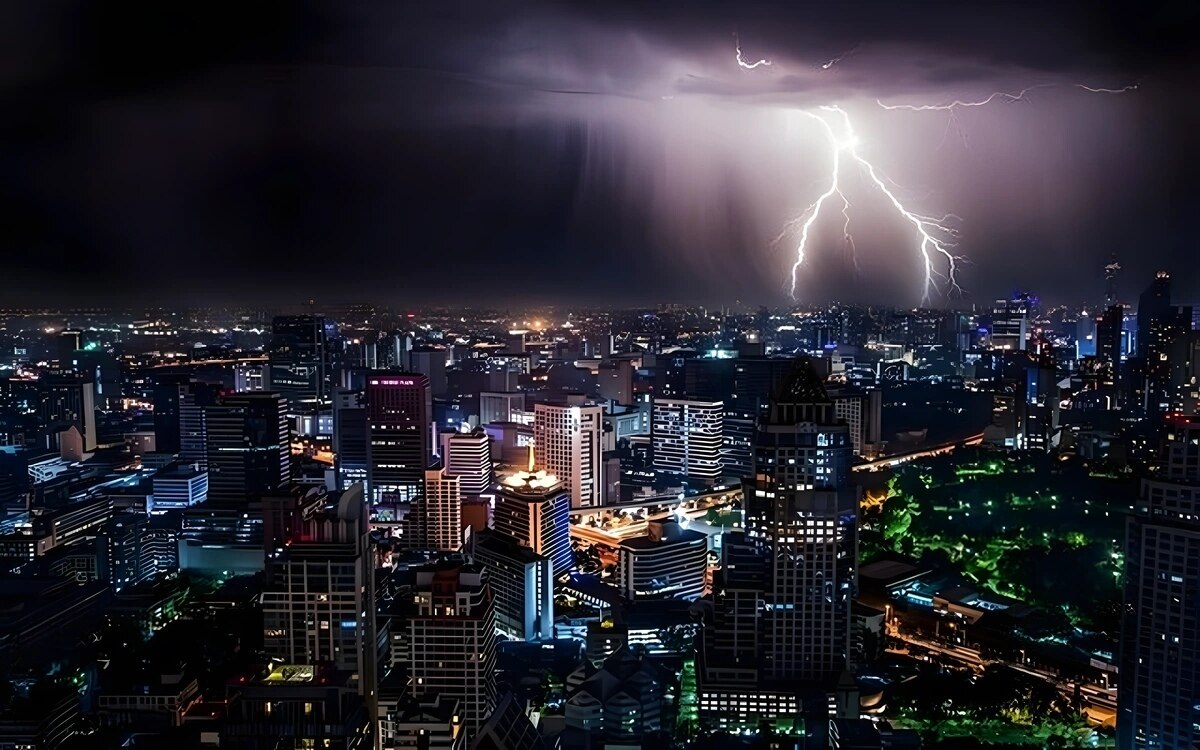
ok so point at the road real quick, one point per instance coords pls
(1100, 701)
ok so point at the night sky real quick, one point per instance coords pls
(611, 152)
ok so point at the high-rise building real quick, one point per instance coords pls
(168, 395)
(349, 437)
(568, 444)
(522, 583)
(1159, 697)
(1010, 323)
(754, 380)
(67, 402)
(686, 437)
(779, 638)
(399, 418)
(468, 456)
(500, 406)
(299, 361)
(318, 602)
(434, 520)
(862, 411)
(430, 361)
(452, 640)
(534, 510)
(1108, 342)
(247, 445)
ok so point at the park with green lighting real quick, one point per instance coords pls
(1012, 523)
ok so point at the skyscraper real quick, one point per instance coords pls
(67, 402)
(399, 414)
(299, 362)
(1108, 342)
(778, 639)
(349, 437)
(1010, 323)
(686, 437)
(1159, 696)
(534, 510)
(468, 456)
(452, 640)
(568, 444)
(434, 521)
(247, 446)
(318, 602)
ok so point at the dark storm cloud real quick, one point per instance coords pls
(607, 151)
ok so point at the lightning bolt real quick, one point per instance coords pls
(839, 58)
(936, 235)
(737, 43)
(1003, 96)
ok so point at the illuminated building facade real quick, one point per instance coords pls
(778, 639)
(534, 510)
(568, 444)
(468, 456)
(452, 640)
(399, 413)
(669, 561)
(686, 437)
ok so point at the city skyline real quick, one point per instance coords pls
(626, 150)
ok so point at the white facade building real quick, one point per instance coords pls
(568, 444)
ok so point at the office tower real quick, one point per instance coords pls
(452, 640)
(119, 551)
(499, 407)
(862, 411)
(1183, 374)
(168, 395)
(754, 380)
(318, 601)
(1154, 303)
(430, 361)
(1108, 342)
(298, 361)
(1164, 334)
(534, 510)
(349, 437)
(709, 378)
(179, 487)
(434, 520)
(1010, 323)
(686, 437)
(779, 638)
(567, 444)
(522, 583)
(1159, 697)
(468, 456)
(615, 380)
(247, 446)
(399, 415)
(669, 561)
(67, 402)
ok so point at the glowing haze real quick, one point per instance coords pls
(621, 153)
